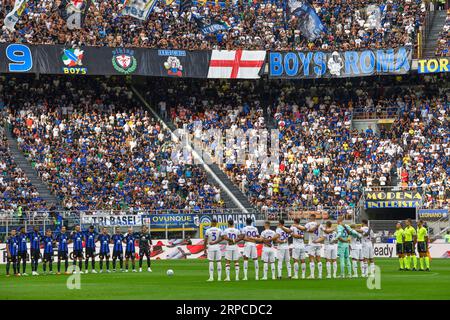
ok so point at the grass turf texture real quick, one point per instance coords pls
(189, 282)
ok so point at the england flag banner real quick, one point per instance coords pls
(139, 9)
(12, 17)
(236, 64)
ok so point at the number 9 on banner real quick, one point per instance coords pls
(20, 56)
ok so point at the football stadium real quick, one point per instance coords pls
(224, 150)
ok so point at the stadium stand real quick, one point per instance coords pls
(250, 25)
(98, 151)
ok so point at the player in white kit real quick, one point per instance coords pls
(367, 248)
(356, 250)
(268, 252)
(298, 250)
(313, 249)
(212, 238)
(282, 239)
(232, 236)
(329, 239)
(250, 235)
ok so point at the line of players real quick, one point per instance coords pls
(17, 249)
(343, 241)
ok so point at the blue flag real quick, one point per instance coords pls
(207, 28)
(309, 22)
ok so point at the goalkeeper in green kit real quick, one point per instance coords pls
(343, 236)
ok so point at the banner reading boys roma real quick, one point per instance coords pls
(336, 64)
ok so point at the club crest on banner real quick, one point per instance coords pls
(123, 60)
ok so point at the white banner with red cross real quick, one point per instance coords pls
(236, 64)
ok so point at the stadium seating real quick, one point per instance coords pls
(443, 43)
(325, 163)
(98, 151)
(253, 25)
(16, 191)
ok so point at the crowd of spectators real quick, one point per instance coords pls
(443, 43)
(324, 162)
(262, 25)
(97, 150)
(17, 194)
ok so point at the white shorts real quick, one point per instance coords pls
(367, 251)
(283, 254)
(314, 250)
(250, 251)
(356, 253)
(232, 254)
(268, 254)
(214, 255)
(299, 253)
(331, 251)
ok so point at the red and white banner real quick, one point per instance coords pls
(236, 64)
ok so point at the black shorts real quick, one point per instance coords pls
(129, 254)
(422, 247)
(35, 254)
(48, 257)
(78, 253)
(117, 255)
(104, 255)
(62, 255)
(12, 259)
(409, 247)
(22, 255)
(144, 252)
(90, 252)
(399, 248)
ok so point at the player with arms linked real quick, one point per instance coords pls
(35, 249)
(117, 240)
(212, 238)
(105, 239)
(130, 250)
(12, 250)
(48, 252)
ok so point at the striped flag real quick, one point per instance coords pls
(236, 64)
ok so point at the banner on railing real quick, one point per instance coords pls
(336, 64)
(124, 220)
(432, 214)
(56, 59)
(171, 220)
(393, 199)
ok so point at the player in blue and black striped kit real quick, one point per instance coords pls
(130, 249)
(22, 251)
(48, 251)
(90, 239)
(117, 240)
(35, 249)
(77, 239)
(105, 239)
(12, 249)
(63, 249)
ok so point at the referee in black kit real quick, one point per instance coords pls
(145, 242)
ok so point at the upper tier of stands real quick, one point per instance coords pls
(259, 25)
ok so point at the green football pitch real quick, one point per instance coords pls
(189, 282)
